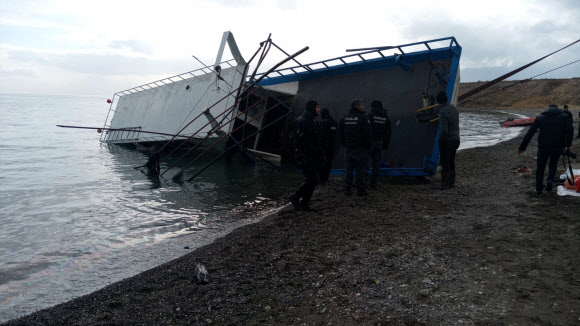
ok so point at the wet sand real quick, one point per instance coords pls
(487, 252)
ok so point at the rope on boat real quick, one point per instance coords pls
(509, 74)
(522, 81)
(427, 108)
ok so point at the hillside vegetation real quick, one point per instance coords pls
(521, 94)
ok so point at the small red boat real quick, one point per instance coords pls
(511, 122)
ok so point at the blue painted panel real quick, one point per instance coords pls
(327, 91)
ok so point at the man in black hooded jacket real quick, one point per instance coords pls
(449, 139)
(354, 133)
(380, 135)
(556, 132)
(326, 135)
(307, 154)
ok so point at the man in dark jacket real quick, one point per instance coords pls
(556, 132)
(307, 155)
(380, 136)
(578, 126)
(326, 135)
(448, 139)
(569, 114)
(354, 133)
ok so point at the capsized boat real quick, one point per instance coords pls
(256, 112)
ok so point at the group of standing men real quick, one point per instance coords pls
(362, 136)
(313, 141)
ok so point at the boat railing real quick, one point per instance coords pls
(162, 82)
(122, 133)
(346, 60)
(172, 79)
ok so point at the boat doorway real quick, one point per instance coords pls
(271, 139)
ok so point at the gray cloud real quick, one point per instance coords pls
(495, 49)
(133, 45)
(236, 3)
(287, 4)
(17, 73)
(104, 64)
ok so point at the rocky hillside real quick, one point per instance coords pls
(521, 94)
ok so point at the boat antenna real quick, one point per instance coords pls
(216, 71)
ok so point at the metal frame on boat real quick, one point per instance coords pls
(256, 112)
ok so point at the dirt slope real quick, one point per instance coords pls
(522, 94)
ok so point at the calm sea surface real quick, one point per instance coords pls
(76, 216)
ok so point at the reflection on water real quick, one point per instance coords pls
(76, 216)
(67, 238)
(483, 129)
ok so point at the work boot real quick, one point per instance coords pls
(295, 202)
(305, 207)
(362, 192)
(444, 180)
(451, 179)
(549, 186)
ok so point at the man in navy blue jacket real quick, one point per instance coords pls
(449, 139)
(307, 154)
(380, 136)
(556, 133)
(354, 133)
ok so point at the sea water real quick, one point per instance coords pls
(76, 215)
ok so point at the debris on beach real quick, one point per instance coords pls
(523, 170)
(200, 273)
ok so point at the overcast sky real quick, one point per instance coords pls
(100, 47)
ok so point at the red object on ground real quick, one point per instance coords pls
(577, 184)
(99, 130)
(518, 123)
(109, 101)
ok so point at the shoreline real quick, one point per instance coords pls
(485, 252)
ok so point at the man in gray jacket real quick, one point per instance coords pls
(448, 139)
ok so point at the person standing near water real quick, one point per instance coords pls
(448, 139)
(556, 132)
(568, 113)
(307, 154)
